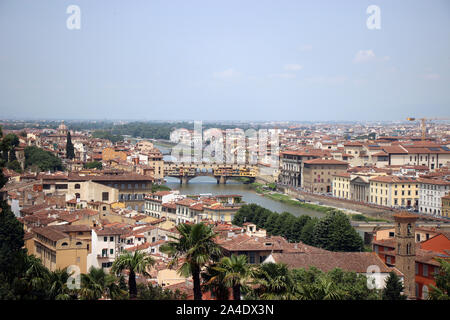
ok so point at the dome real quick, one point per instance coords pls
(62, 126)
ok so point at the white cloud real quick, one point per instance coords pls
(293, 67)
(364, 56)
(432, 76)
(226, 74)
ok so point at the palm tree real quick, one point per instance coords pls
(323, 288)
(58, 285)
(93, 284)
(136, 262)
(236, 272)
(36, 276)
(274, 281)
(197, 248)
(214, 282)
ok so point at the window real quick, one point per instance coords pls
(424, 292)
(105, 196)
(77, 186)
(64, 244)
(111, 239)
(111, 251)
(79, 243)
(105, 239)
(417, 268)
(425, 270)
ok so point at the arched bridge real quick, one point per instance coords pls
(188, 171)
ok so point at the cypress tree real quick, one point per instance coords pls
(70, 153)
(394, 288)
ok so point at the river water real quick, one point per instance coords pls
(208, 185)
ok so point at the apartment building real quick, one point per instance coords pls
(60, 246)
(446, 206)
(431, 192)
(106, 247)
(317, 174)
(291, 165)
(394, 191)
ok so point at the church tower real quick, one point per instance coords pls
(62, 129)
(405, 258)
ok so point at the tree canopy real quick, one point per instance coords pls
(332, 232)
(41, 160)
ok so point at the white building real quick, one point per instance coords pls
(430, 195)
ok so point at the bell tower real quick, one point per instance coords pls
(405, 258)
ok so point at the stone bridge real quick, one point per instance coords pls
(188, 171)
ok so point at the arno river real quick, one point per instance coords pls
(203, 185)
(208, 185)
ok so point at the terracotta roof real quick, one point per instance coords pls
(51, 233)
(325, 161)
(394, 179)
(357, 262)
(440, 182)
(244, 242)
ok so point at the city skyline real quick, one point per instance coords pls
(259, 61)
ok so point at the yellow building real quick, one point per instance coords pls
(394, 191)
(60, 246)
(341, 185)
(112, 153)
(446, 206)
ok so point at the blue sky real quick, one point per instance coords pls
(225, 60)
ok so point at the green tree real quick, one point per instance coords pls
(93, 165)
(213, 282)
(307, 233)
(274, 281)
(97, 284)
(137, 262)
(394, 288)
(58, 285)
(271, 221)
(41, 160)
(70, 151)
(14, 165)
(197, 248)
(335, 233)
(235, 273)
(11, 242)
(8, 146)
(442, 289)
(153, 292)
(297, 227)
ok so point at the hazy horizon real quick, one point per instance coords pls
(207, 60)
